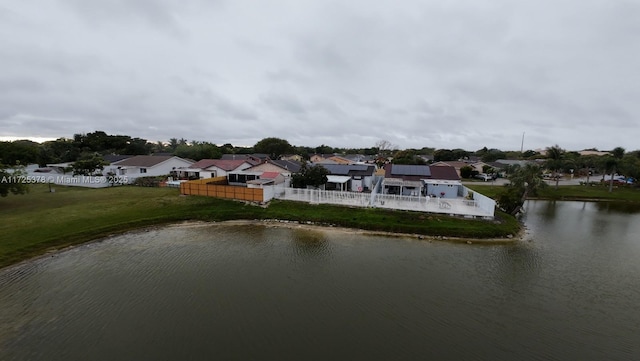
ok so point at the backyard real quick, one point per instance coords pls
(39, 221)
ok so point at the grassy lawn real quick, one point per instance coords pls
(574, 192)
(40, 221)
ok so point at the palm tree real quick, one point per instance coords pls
(617, 155)
(529, 179)
(173, 144)
(524, 181)
(587, 162)
(555, 156)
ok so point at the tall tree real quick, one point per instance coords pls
(524, 181)
(587, 162)
(554, 161)
(492, 155)
(407, 156)
(201, 150)
(274, 147)
(19, 152)
(173, 144)
(385, 148)
(616, 157)
(313, 176)
(89, 164)
(450, 154)
(11, 181)
(324, 149)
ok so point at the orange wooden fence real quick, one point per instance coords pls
(217, 187)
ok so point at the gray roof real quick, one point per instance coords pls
(349, 169)
(111, 158)
(289, 165)
(143, 161)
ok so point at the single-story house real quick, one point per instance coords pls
(268, 166)
(211, 168)
(252, 159)
(266, 179)
(147, 165)
(444, 182)
(360, 158)
(317, 158)
(112, 158)
(286, 167)
(349, 177)
(416, 180)
(292, 157)
(329, 159)
(455, 164)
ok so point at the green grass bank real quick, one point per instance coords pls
(573, 193)
(40, 221)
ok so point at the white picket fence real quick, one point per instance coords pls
(318, 196)
(480, 206)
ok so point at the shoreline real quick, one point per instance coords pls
(308, 225)
(42, 222)
(275, 223)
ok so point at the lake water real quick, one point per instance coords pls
(569, 291)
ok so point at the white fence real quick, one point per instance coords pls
(480, 206)
(321, 196)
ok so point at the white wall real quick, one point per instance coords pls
(449, 190)
(164, 168)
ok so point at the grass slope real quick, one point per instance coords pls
(573, 192)
(40, 221)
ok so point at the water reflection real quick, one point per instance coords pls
(310, 243)
(618, 207)
(549, 212)
(569, 291)
(517, 264)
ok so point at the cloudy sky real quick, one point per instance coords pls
(425, 73)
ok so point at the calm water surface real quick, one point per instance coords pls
(569, 291)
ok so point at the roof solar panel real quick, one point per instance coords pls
(411, 170)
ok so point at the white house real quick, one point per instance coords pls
(146, 166)
(210, 168)
(282, 167)
(350, 177)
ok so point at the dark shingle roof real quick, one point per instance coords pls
(444, 172)
(417, 172)
(112, 158)
(252, 159)
(289, 165)
(349, 169)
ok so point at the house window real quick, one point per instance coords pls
(143, 170)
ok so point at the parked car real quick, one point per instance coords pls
(485, 177)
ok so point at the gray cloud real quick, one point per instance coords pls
(428, 73)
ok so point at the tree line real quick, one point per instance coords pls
(90, 146)
(80, 145)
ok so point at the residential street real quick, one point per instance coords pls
(562, 182)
